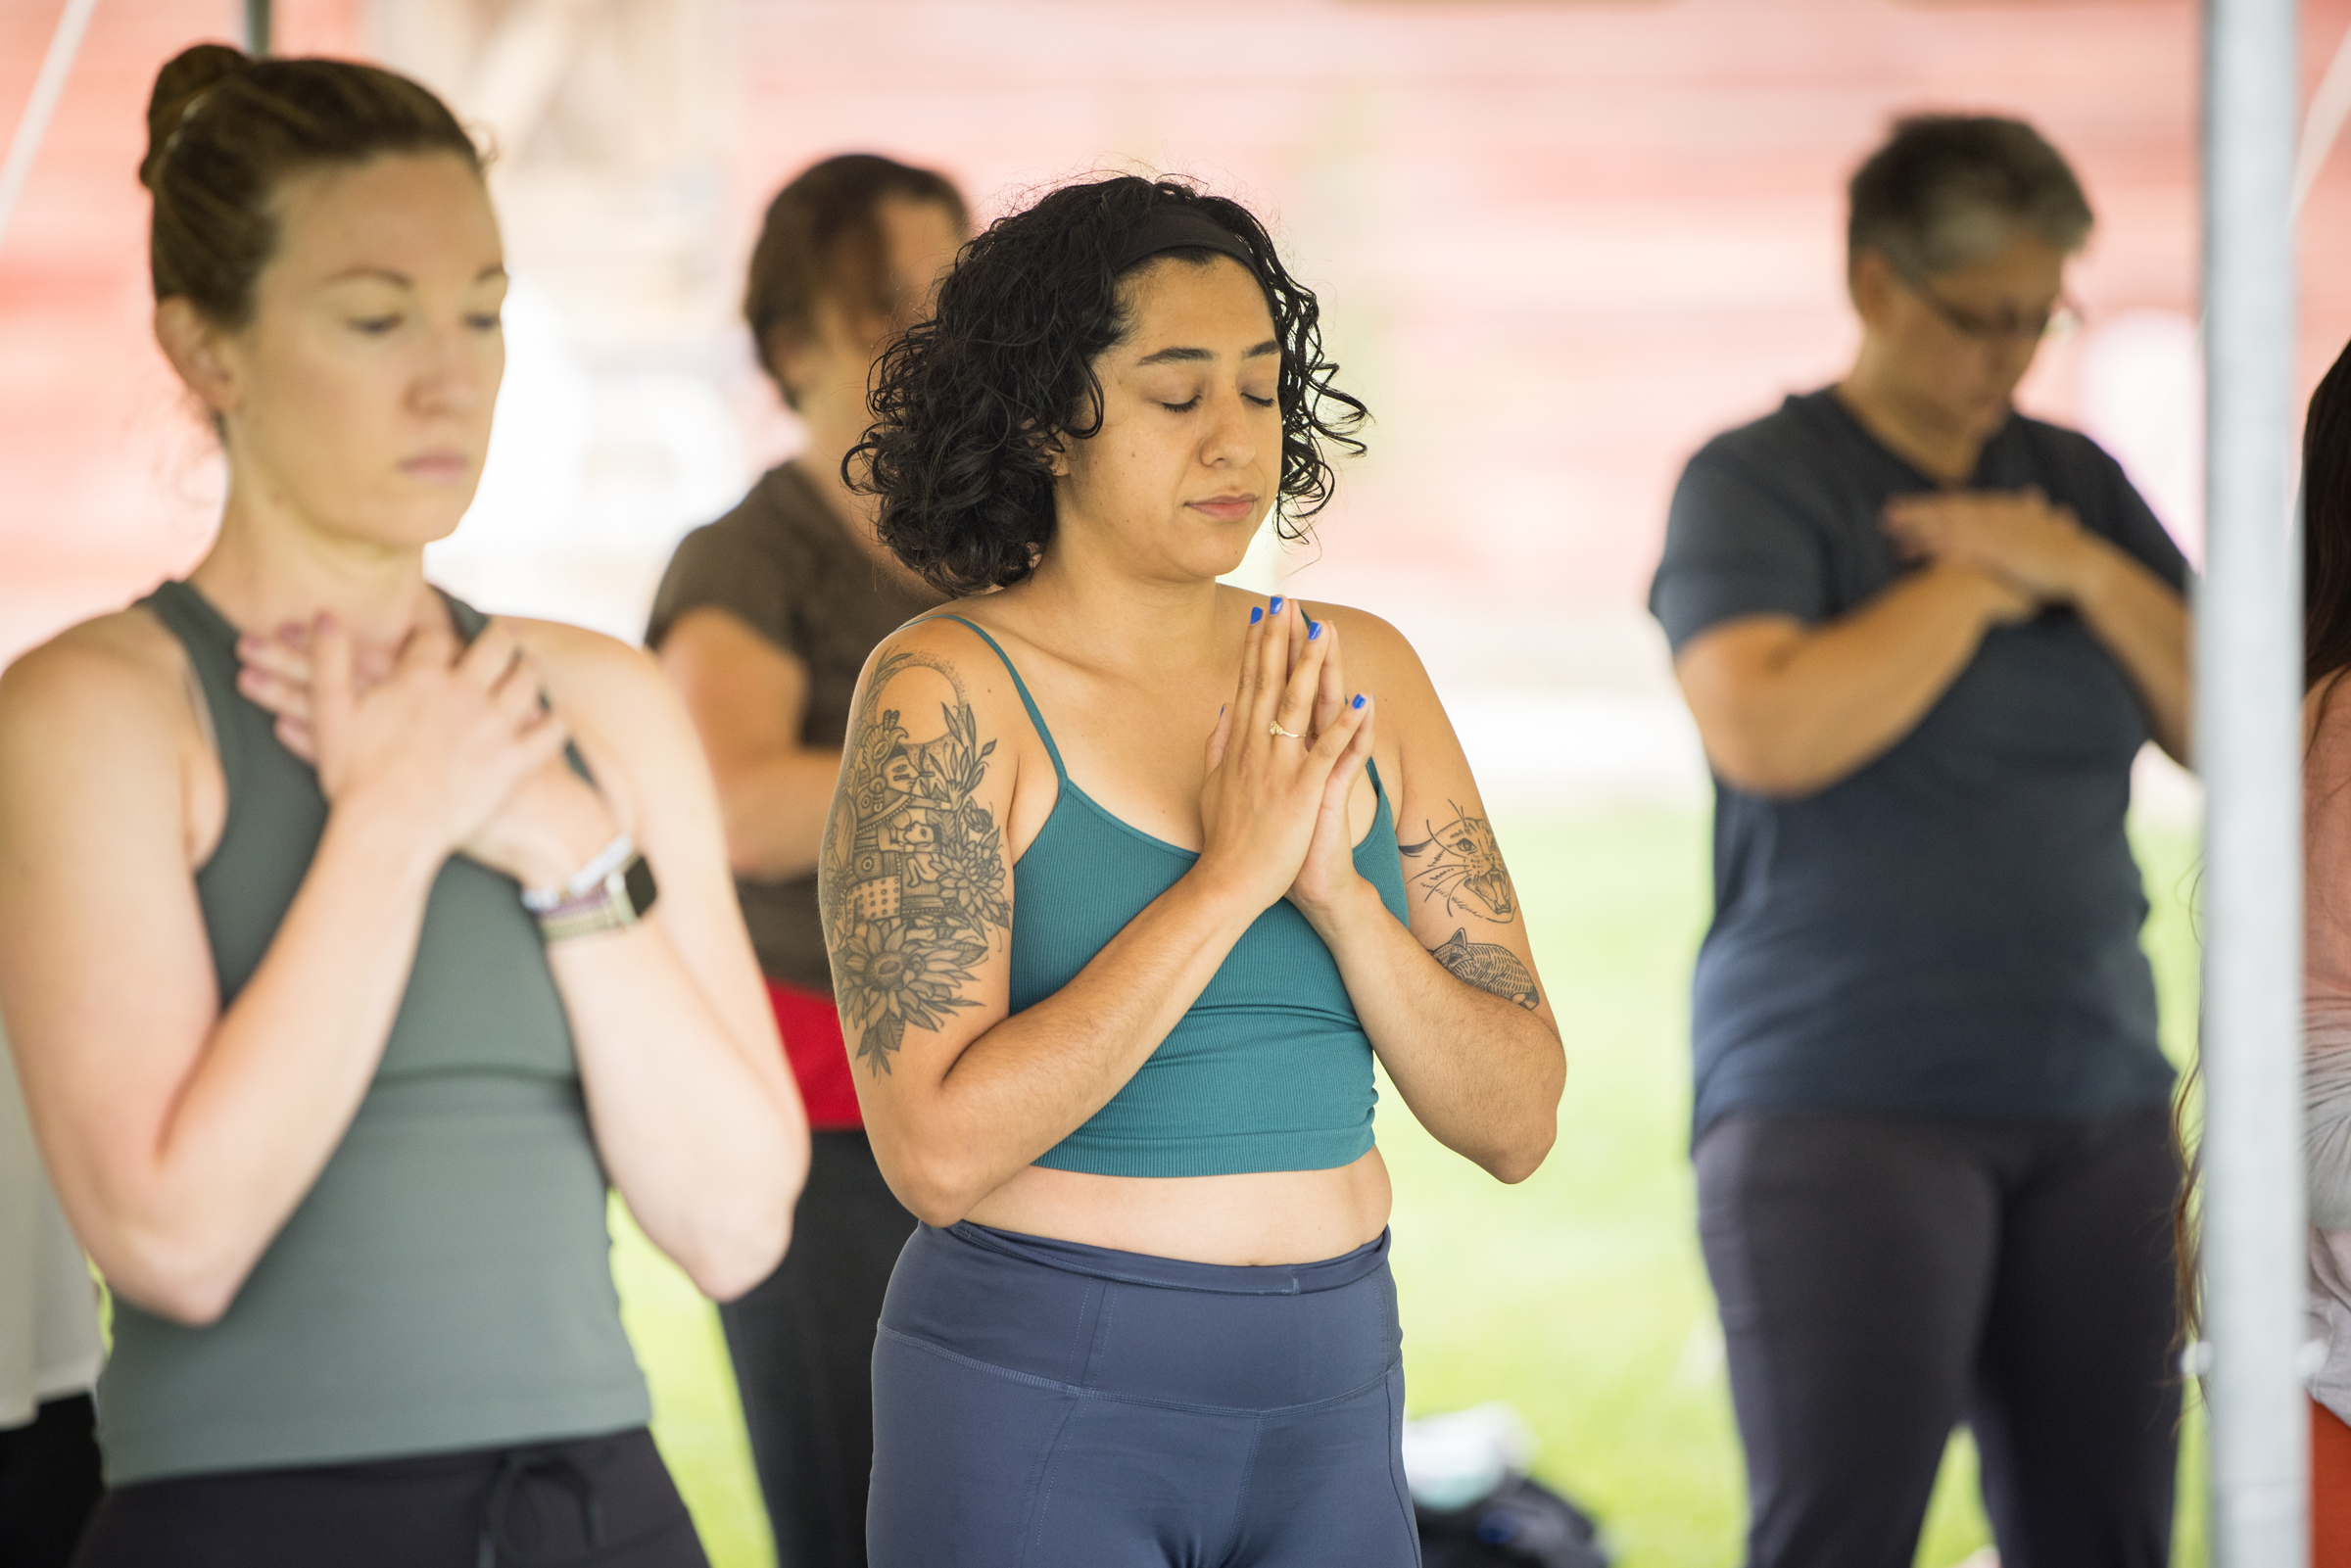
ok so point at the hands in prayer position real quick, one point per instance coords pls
(1274, 810)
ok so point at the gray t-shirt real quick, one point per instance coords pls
(1954, 928)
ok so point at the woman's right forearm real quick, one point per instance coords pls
(1037, 1076)
(1787, 710)
(276, 1086)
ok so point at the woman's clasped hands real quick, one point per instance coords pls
(454, 739)
(1282, 761)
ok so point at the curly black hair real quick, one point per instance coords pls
(966, 403)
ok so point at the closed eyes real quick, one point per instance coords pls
(1187, 407)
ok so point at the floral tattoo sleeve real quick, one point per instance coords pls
(912, 884)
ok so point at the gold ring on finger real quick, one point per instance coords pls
(1274, 728)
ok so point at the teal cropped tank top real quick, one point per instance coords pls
(446, 1282)
(1269, 1069)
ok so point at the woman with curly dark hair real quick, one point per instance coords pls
(1115, 935)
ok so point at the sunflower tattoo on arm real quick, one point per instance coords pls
(912, 885)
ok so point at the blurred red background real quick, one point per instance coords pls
(1559, 243)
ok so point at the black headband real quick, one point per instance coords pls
(1178, 226)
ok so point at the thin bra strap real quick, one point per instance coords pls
(1046, 735)
(1018, 684)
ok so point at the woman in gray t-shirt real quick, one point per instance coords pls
(1924, 638)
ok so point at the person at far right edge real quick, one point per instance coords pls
(1923, 637)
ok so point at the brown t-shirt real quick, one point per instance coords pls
(784, 564)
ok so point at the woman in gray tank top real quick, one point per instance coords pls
(329, 940)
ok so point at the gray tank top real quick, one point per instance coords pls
(446, 1283)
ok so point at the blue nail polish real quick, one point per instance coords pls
(1314, 628)
(1359, 699)
(1277, 604)
(1256, 615)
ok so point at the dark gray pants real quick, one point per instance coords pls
(48, 1483)
(802, 1343)
(1883, 1278)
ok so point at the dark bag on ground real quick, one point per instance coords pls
(1520, 1522)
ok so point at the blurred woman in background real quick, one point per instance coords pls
(1924, 638)
(2327, 944)
(1123, 893)
(763, 621)
(330, 946)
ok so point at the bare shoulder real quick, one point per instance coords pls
(1433, 782)
(605, 688)
(628, 722)
(951, 640)
(1381, 661)
(102, 747)
(936, 672)
(1374, 645)
(573, 656)
(933, 690)
(2327, 724)
(112, 675)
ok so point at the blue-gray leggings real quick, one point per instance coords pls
(1050, 1404)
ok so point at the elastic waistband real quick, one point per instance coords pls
(1177, 1273)
(1098, 1323)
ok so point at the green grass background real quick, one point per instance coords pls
(1579, 1296)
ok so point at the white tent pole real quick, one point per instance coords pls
(2248, 734)
(47, 88)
